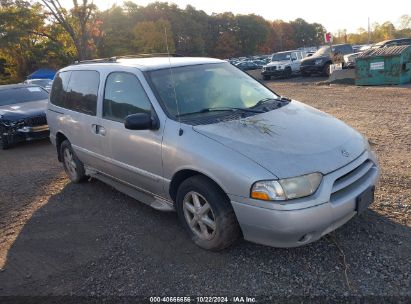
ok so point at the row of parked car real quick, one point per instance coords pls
(285, 64)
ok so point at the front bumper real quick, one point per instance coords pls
(307, 220)
(311, 69)
(26, 134)
(276, 73)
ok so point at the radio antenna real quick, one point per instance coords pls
(180, 131)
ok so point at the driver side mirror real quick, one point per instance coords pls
(141, 121)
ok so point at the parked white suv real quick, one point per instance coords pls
(199, 136)
(283, 64)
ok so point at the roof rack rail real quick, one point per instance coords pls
(114, 59)
(100, 60)
(148, 55)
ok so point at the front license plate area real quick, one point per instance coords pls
(364, 200)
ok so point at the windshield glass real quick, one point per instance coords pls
(207, 86)
(18, 95)
(325, 50)
(41, 82)
(281, 56)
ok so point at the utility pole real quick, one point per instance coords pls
(369, 31)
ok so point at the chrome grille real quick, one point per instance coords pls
(351, 179)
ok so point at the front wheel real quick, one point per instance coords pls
(206, 213)
(287, 73)
(326, 70)
(72, 165)
(4, 144)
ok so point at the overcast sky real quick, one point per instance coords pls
(348, 14)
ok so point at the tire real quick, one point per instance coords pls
(218, 214)
(72, 165)
(266, 77)
(287, 73)
(326, 69)
(4, 144)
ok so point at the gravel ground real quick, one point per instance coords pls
(58, 238)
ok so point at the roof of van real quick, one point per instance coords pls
(147, 64)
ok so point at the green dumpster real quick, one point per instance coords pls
(390, 65)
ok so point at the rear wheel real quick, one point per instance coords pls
(72, 165)
(206, 214)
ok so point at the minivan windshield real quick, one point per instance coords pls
(281, 56)
(24, 94)
(201, 88)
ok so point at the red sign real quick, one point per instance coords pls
(328, 37)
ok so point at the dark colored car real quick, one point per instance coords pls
(246, 65)
(321, 60)
(392, 42)
(22, 113)
(260, 63)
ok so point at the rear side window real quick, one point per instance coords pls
(344, 49)
(77, 91)
(59, 89)
(124, 95)
(82, 92)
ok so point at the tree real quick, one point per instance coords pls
(252, 32)
(405, 22)
(27, 41)
(150, 37)
(79, 23)
(285, 34)
(307, 34)
(117, 35)
(226, 46)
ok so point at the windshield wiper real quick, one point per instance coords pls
(220, 109)
(267, 100)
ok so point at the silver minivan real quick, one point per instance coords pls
(201, 137)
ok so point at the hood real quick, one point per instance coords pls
(22, 110)
(315, 57)
(290, 141)
(281, 62)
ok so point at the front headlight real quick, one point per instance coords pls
(288, 188)
(318, 62)
(9, 123)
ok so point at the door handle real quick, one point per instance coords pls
(100, 130)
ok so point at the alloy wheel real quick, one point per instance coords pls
(70, 163)
(199, 215)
